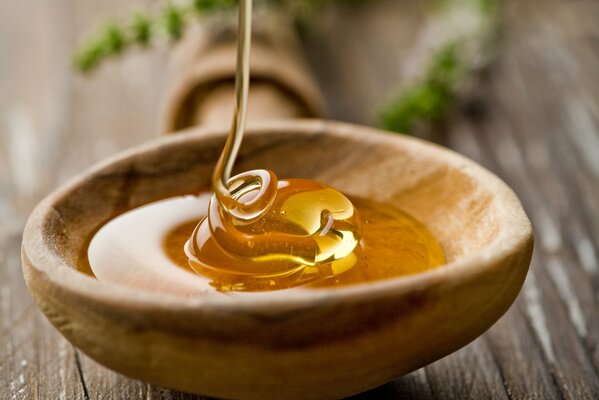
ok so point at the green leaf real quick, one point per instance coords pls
(141, 28)
(114, 39)
(173, 21)
(89, 57)
(428, 100)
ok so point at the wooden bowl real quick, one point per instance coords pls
(325, 343)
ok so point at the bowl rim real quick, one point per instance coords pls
(515, 234)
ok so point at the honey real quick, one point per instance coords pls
(309, 230)
(143, 248)
(261, 232)
(394, 244)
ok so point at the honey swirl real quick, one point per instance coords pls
(261, 227)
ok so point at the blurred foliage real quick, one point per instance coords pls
(425, 98)
(428, 100)
(456, 56)
(169, 23)
(112, 38)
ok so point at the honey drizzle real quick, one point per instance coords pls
(226, 162)
(262, 231)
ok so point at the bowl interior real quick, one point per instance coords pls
(454, 197)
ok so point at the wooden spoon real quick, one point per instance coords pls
(288, 344)
(318, 344)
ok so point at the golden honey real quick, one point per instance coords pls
(308, 230)
(393, 244)
(144, 248)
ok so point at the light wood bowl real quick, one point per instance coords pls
(324, 343)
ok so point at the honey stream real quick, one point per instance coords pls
(260, 230)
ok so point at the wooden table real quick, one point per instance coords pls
(535, 123)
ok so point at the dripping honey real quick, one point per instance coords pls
(262, 232)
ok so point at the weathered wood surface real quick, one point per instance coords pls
(535, 123)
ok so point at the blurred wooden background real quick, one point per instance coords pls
(535, 123)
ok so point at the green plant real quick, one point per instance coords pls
(429, 99)
(456, 53)
(113, 38)
(427, 96)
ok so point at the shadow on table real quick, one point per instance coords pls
(405, 388)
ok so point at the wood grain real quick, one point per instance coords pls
(540, 107)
